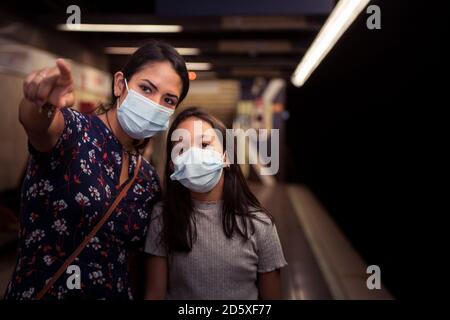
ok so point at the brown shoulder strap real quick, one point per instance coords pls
(88, 238)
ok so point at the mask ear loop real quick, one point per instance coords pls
(126, 86)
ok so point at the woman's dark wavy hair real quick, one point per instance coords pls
(239, 203)
(152, 51)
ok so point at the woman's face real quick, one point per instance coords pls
(157, 81)
(196, 133)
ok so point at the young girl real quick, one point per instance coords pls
(209, 238)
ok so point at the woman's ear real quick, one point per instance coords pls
(118, 83)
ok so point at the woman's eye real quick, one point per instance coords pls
(169, 101)
(146, 89)
(205, 144)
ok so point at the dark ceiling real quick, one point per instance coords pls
(241, 39)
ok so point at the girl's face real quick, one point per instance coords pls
(157, 81)
(199, 134)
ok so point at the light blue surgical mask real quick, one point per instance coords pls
(198, 169)
(140, 117)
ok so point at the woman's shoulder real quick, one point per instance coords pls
(148, 167)
(72, 115)
(76, 125)
(149, 171)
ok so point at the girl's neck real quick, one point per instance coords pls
(214, 195)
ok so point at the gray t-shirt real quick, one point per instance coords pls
(217, 267)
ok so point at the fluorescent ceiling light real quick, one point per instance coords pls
(188, 51)
(131, 50)
(198, 66)
(119, 27)
(120, 50)
(339, 20)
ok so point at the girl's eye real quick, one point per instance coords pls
(146, 89)
(205, 144)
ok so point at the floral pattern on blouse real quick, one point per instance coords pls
(64, 194)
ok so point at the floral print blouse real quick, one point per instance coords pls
(64, 194)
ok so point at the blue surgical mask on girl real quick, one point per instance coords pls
(198, 169)
(141, 117)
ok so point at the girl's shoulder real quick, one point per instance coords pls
(263, 224)
(260, 217)
(157, 209)
(260, 223)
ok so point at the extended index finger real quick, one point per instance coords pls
(64, 69)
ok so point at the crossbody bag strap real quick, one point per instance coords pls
(88, 238)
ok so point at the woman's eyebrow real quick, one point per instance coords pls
(156, 88)
(173, 95)
(151, 84)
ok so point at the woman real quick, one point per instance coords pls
(79, 165)
(210, 237)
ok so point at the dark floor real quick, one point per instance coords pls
(302, 278)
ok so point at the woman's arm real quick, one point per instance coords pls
(53, 86)
(269, 285)
(156, 277)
